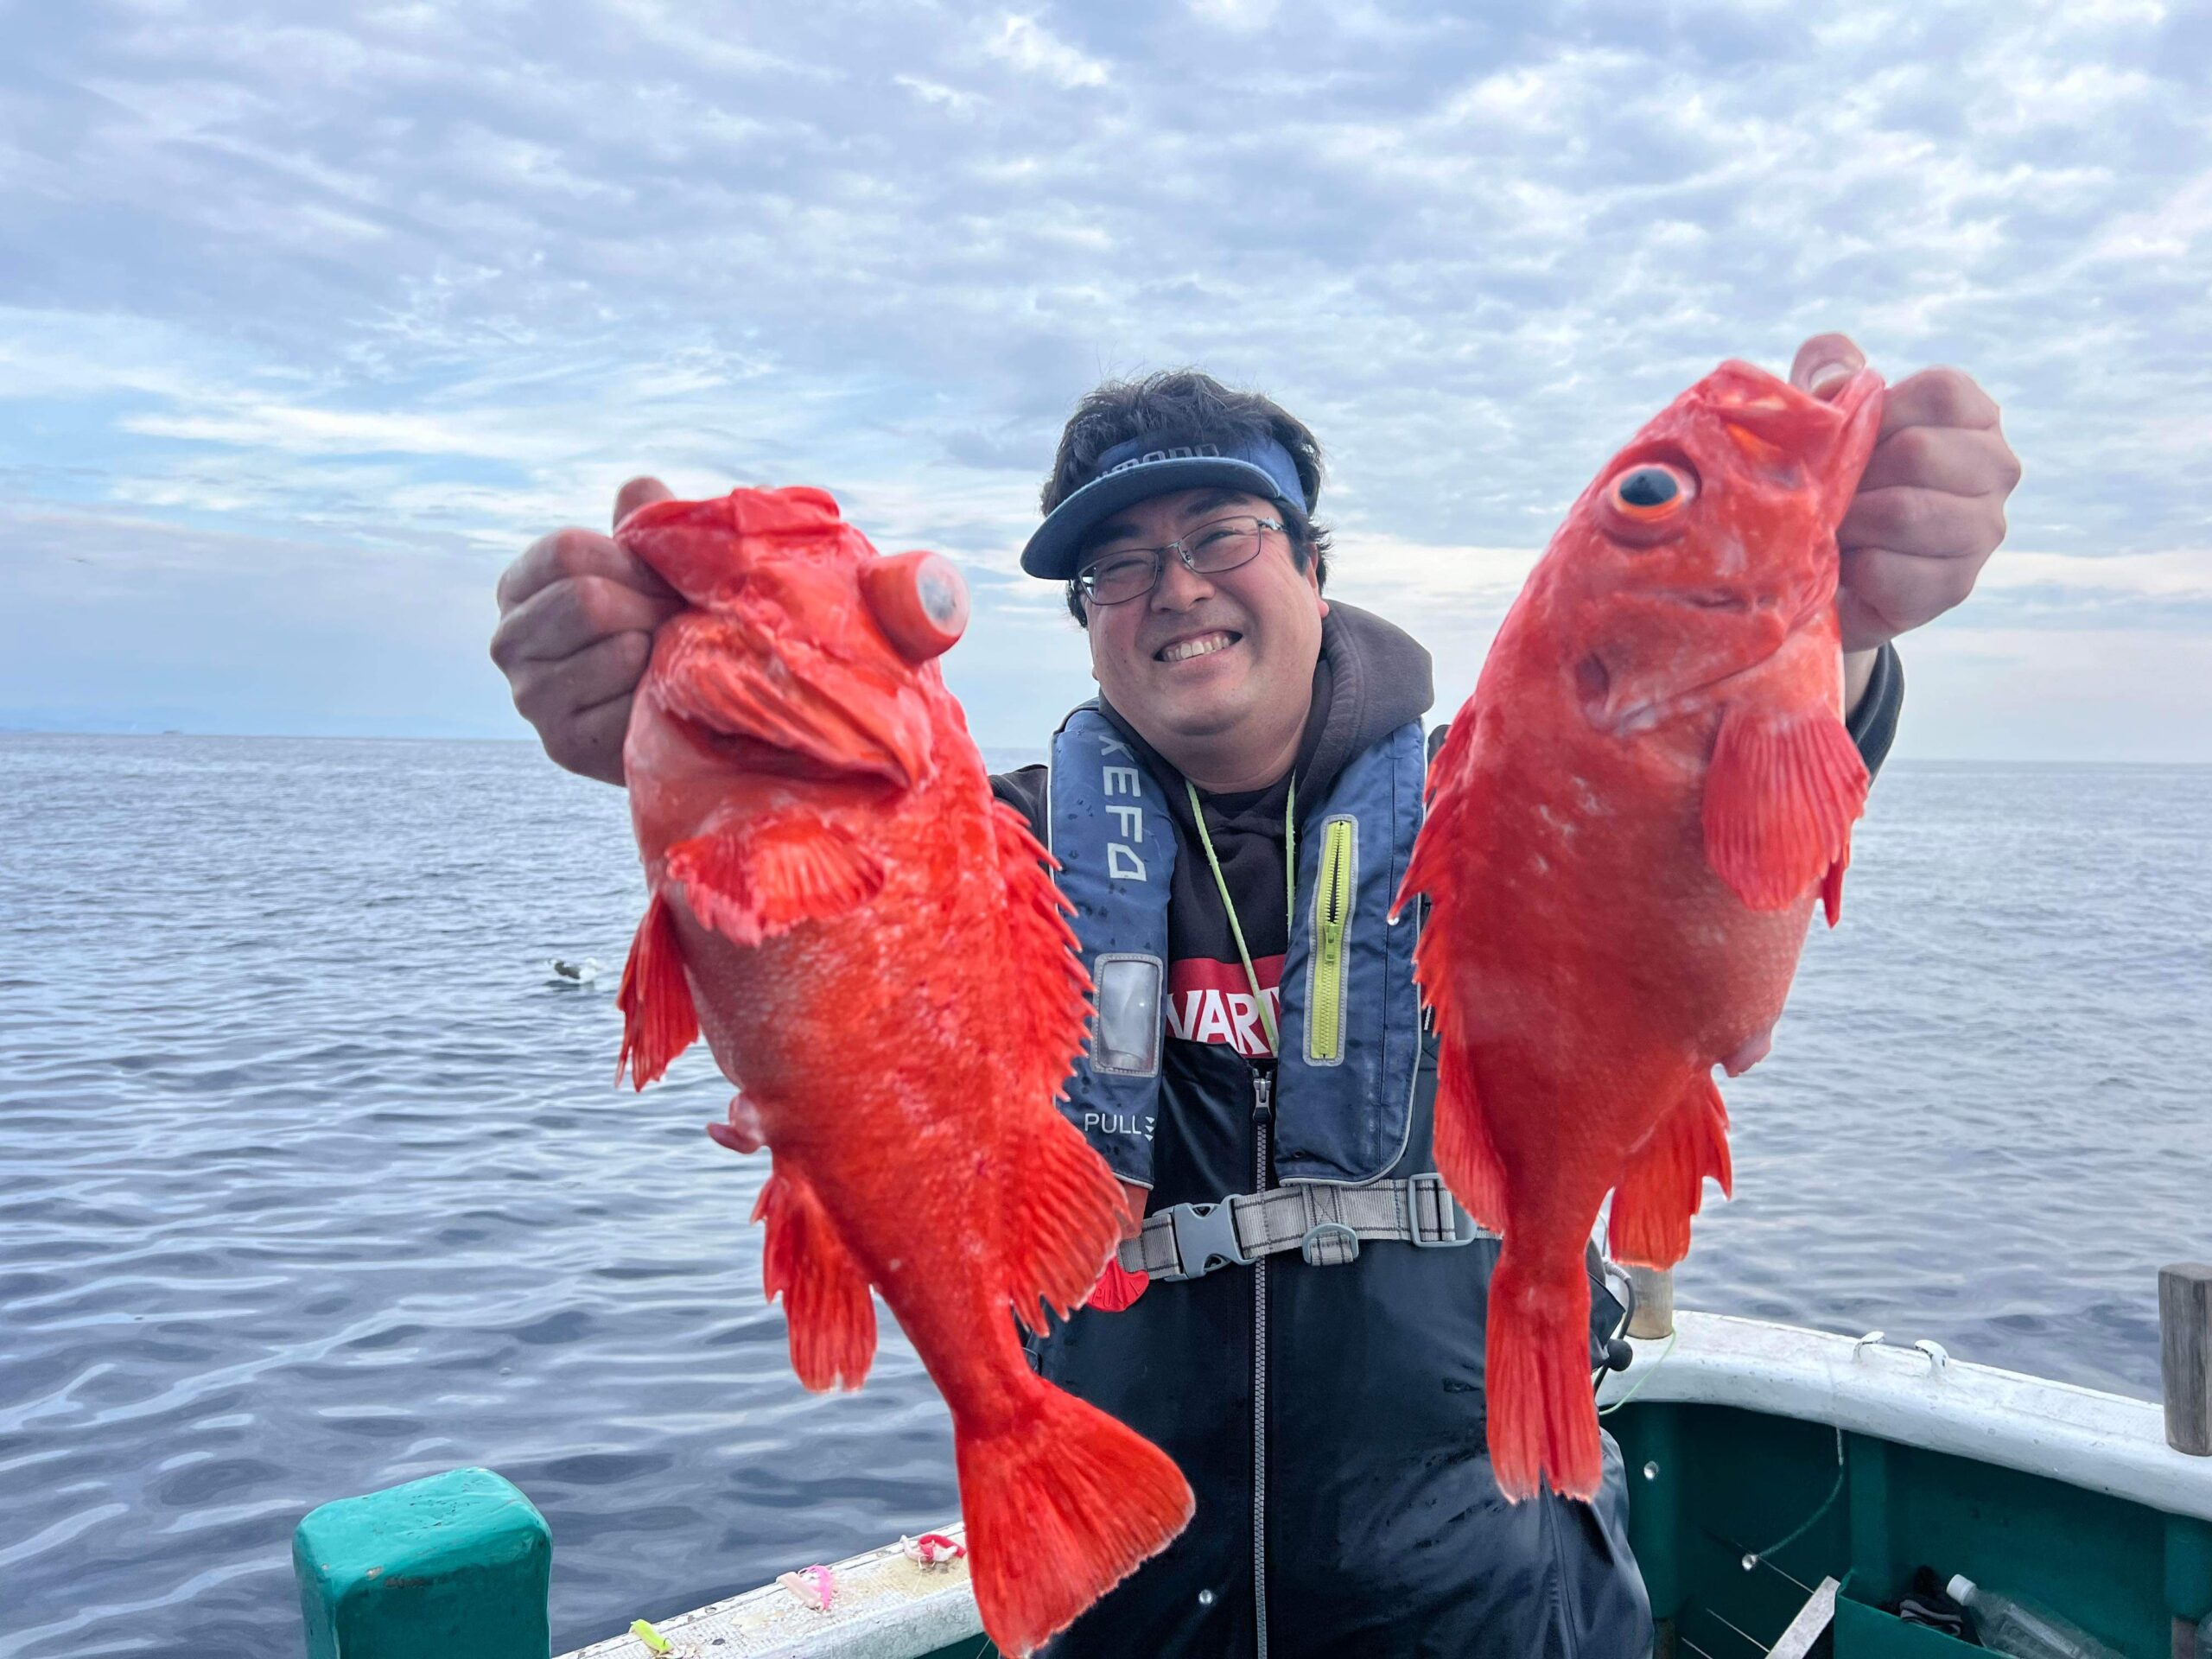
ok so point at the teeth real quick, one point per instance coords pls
(1184, 650)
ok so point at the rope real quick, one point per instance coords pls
(1290, 896)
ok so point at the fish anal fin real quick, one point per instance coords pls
(1663, 1182)
(825, 1294)
(1465, 1155)
(659, 1020)
(752, 882)
(1063, 1216)
(1781, 794)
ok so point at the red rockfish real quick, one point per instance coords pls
(879, 961)
(1627, 826)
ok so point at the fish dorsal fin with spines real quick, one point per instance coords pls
(1063, 1206)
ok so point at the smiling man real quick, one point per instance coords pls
(1299, 1317)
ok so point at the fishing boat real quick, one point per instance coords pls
(1784, 1484)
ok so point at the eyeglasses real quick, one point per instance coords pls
(1129, 573)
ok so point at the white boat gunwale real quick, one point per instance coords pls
(2081, 1437)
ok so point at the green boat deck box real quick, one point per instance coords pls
(458, 1563)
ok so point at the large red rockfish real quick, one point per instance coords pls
(1627, 826)
(881, 963)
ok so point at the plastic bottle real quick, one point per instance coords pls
(2021, 1630)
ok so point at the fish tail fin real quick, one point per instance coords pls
(1466, 1156)
(826, 1303)
(1063, 1219)
(1543, 1413)
(1061, 1505)
(1663, 1182)
(659, 1020)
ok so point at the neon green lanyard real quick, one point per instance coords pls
(1289, 894)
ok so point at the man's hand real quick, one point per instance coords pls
(1930, 509)
(576, 621)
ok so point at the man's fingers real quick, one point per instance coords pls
(637, 492)
(1825, 362)
(591, 742)
(1924, 523)
(574, 552)
(1958, 461)
(552, 693)
(558, 621)
(1937, 398)
(1885, 593)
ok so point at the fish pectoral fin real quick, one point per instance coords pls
(750, 883)
(1063, 1215)
(659, 1020)
(826, 1302)
(1663, 1182)
(1781, 795)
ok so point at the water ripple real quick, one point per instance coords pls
(311, 1182)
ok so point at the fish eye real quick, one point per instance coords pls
(1654, 490)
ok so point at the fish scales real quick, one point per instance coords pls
(1627, 828)
(877, 958)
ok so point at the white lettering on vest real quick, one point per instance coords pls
(1117, 1124)
(1123, 861)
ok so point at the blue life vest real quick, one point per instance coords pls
(1343, 1103)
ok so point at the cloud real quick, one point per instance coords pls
(411, 280)
(1024, 43)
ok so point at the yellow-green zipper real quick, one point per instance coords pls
(1334, 889)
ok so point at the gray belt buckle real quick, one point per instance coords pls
(1464, 1230)
(1205, 1238)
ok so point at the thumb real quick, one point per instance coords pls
(1824, 362)
(637, 492)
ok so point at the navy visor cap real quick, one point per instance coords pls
(1146, 467)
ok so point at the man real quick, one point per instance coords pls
(1226, 813)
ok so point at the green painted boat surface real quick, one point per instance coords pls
(457, 1562)
(1762, 1459)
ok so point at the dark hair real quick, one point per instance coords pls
(1188, 406)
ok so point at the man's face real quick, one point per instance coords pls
(1195, 658)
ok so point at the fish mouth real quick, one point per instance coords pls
(794, 712)
(1707, 599)
(760, 756)
(1594, 680)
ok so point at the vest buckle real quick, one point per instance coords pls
(1453, 1226)
(1329, 1245)
(1205, 1238)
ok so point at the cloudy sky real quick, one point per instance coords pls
(312, 316)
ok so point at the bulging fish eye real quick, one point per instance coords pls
(919, 601)
(1646, 500)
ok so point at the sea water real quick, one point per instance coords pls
(314, 1178)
